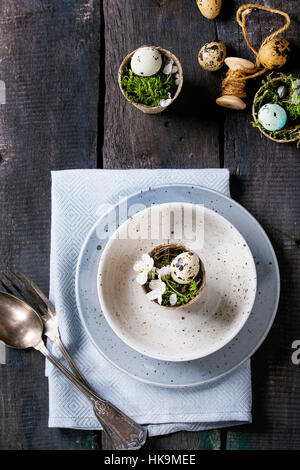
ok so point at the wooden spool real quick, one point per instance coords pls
(232, 101)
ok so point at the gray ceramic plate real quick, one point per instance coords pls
(189, 373)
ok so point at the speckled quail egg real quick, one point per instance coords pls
(146, 61)
(184, 267)
(272, 117)
(274, 53)
(212, 55)
(209, 8)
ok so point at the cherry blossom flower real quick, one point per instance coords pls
(143, 266)
(157, 287)
(166, 102)
(168, 67)
(164, 271)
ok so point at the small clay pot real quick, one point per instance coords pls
(182, 248)
(125, 66)
(255, 117)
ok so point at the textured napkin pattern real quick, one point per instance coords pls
(76, 198)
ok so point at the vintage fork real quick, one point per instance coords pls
(123, 431)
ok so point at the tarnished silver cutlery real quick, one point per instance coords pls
(24, 321)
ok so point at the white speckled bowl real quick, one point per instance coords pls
(187, 333)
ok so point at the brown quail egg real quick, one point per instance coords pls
(212, 55)
(209, 8)
(146, 61)
(184, 267)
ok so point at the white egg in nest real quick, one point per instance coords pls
(184, 267)
(146, 61)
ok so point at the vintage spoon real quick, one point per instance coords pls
(21, 327)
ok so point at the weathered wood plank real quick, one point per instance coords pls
(184, 136)
(50, 58)
(49, 63)
(266, 181)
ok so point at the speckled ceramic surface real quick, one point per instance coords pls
(195, 330)
(186, 373)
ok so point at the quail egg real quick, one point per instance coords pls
(146, 61)
(272, 117)
(212, 55)
(184, 267)
(209, 8)
(274, 53)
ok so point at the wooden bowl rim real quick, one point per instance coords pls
(153, 109)
(254, 114)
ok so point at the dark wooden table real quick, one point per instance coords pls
(59, 61)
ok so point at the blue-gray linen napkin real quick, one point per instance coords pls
(76, 198)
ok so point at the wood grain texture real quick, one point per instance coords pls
(50, 60)
(266, 181)
(49, 54)
(186, 134)
(183, 136)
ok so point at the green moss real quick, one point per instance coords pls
(148, 91)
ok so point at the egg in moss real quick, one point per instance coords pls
(184, 267)
(272, 117)
(146, 61)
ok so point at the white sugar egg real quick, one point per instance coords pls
(184, 267)
(146, 61)
(272, 117)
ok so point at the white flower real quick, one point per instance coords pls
(173, 299)
(164, 271)
(177, 79)
(143, 266)
(157, 287)
(166, 102)
(168, 67)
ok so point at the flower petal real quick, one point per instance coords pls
(168, 67)
(157, 284)
(148, 261)
(164, 271)
(165, 103)
(153, 294)
(139, 266)
(173, 299)
(142, 277)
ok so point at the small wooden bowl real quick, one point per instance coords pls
(255, 117)
(125, 66)
(183, 248)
